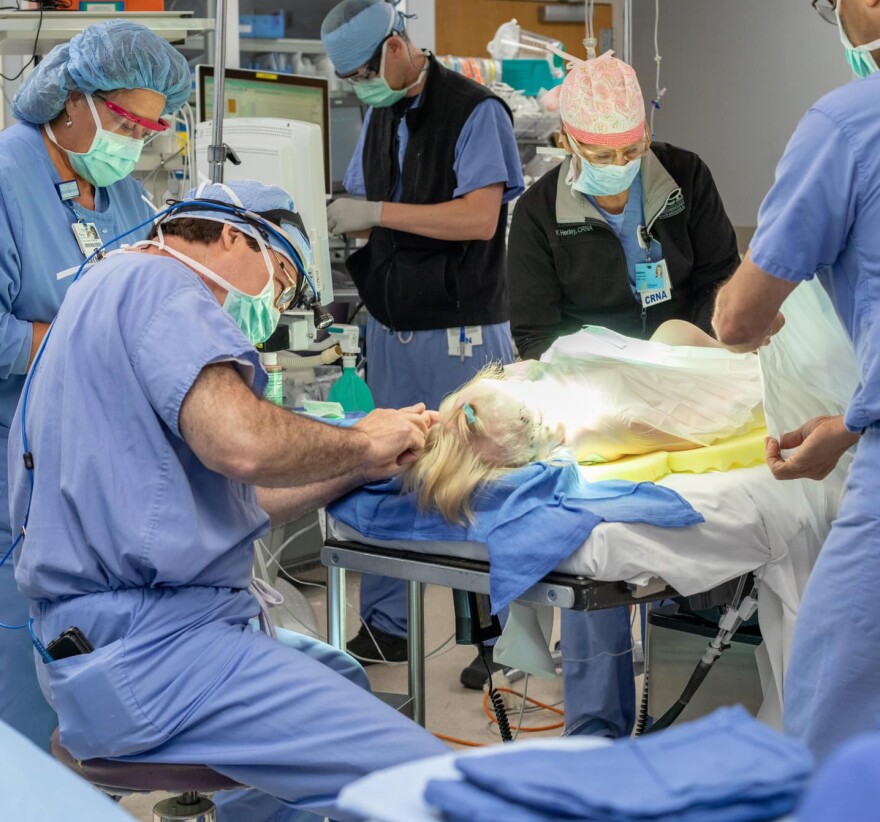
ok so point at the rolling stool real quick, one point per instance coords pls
(121, 778)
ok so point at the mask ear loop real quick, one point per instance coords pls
(270, 266)
(98, 128)
(94, 111)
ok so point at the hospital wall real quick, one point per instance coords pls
(423, 27)
(739, 76)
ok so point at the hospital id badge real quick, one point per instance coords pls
(87, 237)
(651, 276)
(660, 295)
(460, 342)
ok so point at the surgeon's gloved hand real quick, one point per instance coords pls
(396, 439)
(348, 215)
(820, 444)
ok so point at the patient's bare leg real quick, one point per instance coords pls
(681, 332)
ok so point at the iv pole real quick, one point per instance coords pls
(218, 151)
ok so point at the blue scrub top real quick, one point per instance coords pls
(36, 242)
(485, 154)
(822, 218)
(626, 227)
(129, 342)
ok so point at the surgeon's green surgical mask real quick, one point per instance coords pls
(377, 93)
(111, 157)
(257, 316)
(860, 59)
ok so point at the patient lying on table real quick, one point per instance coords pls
(595, 395)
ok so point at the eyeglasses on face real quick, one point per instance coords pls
(372, 67)
(291, 292)
(602, 156)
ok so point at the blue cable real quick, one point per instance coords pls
(41, 649)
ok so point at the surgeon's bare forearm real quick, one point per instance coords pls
(286, 504)
(747, 304)
(246, 438)
(471, 217)
(39, 333)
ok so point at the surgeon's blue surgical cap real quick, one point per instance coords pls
(104, 57)
(353, 31)
(257, 197)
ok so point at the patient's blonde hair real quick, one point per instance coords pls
(481, 434)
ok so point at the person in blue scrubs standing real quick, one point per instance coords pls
(64, 186)
(432, 275)
(821, 219)
(625, 234)
(156, 464)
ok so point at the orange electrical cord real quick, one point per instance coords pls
(524, 730)
(461, 741)
(492, 717)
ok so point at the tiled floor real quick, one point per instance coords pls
(451, 709)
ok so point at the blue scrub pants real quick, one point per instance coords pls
(832, 686)
(178, 675)
(404, 368)
(22, 704)
(597, 672)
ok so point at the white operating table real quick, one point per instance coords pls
(753, 523)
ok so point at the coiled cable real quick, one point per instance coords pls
(497, 700)
(642, 721)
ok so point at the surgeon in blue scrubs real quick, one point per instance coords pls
(821, 219)
(85, 112)
(157, 463)
(433, 274)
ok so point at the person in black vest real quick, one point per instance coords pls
(625, 234)
(436, 164)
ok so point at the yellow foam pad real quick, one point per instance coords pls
(737, 452)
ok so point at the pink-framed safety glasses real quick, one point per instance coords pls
(131, 121)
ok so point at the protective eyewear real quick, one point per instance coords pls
(827, 10)
(290, 295)
(607, 156)
(371, 70)
(130, 125)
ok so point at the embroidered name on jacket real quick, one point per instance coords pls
(573, 232)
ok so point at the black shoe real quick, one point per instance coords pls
(380, 647)
(475, 676)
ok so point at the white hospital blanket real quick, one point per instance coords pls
(753, 523)
(396, 794)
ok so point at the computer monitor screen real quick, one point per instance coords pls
(287, 153)
(346, 122)
(269, 94)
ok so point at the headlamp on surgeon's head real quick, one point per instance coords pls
(290, 225)
(283, 232)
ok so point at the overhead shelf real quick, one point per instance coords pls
(284, 45)
(19, 28)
